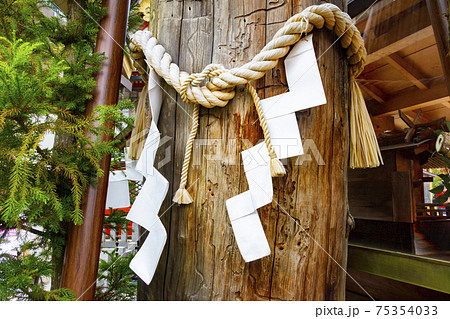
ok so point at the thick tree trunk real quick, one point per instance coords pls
(305, 225)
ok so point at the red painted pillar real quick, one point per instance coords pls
(83, 242)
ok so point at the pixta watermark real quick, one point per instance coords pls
(228, 151)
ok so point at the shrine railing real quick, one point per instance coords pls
(430, 211)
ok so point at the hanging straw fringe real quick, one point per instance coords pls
(138, 135)
(364, 150)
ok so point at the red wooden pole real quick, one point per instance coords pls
(83, 242)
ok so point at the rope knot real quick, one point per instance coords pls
(195, 79)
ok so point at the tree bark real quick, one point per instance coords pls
(305, 224)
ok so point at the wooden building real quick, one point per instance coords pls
(400, 246)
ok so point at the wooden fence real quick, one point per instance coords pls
(426, 211)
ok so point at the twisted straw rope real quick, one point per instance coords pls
(262, 120)
(182, 196)
(220, 89)
(276, 168)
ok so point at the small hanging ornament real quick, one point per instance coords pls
(443, 144)
(145, 9)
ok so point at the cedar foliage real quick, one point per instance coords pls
(120, 283)
(47, 68)
(20, 278)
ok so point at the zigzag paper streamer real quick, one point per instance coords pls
(146, 207)
(306, 90)
(242, 209)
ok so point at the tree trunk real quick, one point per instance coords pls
(305, 224)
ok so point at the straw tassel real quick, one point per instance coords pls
(364, 149)
(182, 196)
(276, 168)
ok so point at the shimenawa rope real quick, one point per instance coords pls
(364, 150)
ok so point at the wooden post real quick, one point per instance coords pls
(83, 242)
(438, 10)
(305, 225)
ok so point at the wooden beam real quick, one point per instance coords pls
(411, 129)
(83, 242)
(381, 11)
(399, 31)
(420, 271)
(355, 7)
(438, 10)
(373, 91)
(382, 288)
(437, 122)
(424, 117)
(407, 121)
(411, 100)
(446, 104)
(397, 43)
(407, 70)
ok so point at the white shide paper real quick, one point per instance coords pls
(305, 91)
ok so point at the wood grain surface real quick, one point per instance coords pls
(305, 224)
